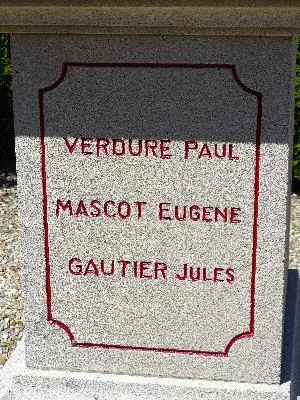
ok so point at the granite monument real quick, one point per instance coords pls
(154, 179)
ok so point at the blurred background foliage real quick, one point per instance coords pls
(296, 150)
(7, 155)
(7, 140)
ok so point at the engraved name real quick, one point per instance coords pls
(166, 211)
(150, 270)
(100, 147)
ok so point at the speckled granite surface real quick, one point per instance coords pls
(252, 359)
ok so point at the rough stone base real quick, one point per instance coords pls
(17, 382)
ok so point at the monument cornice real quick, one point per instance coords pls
(258, 17)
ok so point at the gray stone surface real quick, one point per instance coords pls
(160, 311)
(295, 369)
(152, 17)
(95, 313)
(19, 382)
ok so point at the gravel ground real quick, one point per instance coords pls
(11, 323)
(294, 250)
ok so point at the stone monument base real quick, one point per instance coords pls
(17, 382)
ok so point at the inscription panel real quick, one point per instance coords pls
(151, 231)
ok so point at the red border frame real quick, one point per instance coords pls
(60, 324)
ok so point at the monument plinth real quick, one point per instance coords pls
(154, 182)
